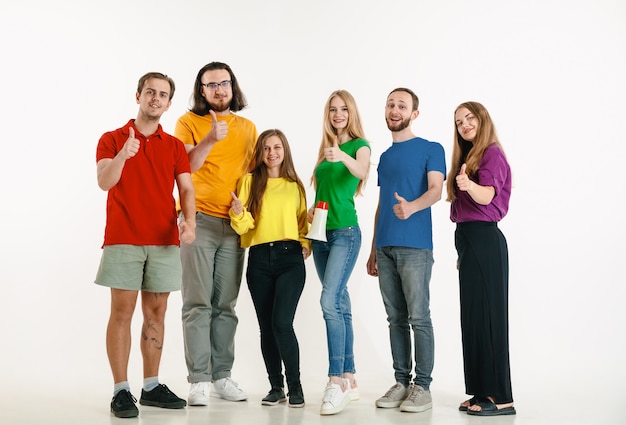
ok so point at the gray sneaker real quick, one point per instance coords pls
(393, 397)
(418, 400)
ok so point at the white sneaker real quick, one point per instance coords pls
(334, 400)
(199, 394)
(354, 391)
(228, 389)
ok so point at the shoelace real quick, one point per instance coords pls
(165, 389)
(201, 389)
(330, 391)
(228, 379)
(415, 393)
(393, 391)
(128, 395)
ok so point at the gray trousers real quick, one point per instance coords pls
(212, 269)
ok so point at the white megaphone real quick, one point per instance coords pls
(318, 227)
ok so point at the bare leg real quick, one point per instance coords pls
(153, 306)
(350, 378)
(118, 338)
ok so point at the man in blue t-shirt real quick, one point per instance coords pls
(410, 176)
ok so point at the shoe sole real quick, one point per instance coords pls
(126, 414)
(416, 409)
(388, 404)
(273, 403)
(198, 403)
(296, 405)
(177, 405)
(346, 400)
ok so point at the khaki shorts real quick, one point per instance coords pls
(149, 268)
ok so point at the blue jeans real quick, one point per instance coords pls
(334, 261)
(404, 278)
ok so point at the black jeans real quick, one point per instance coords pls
(275, 277)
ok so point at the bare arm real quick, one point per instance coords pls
(187, 196)
(372, 265)
(404, 209)
(358, 167)
(198, 153)
(109, 170)
(482, 195)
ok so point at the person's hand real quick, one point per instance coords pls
(306, 252)
(235, 204)
(463, 181)
(187, 232)
(333, 153)
(219, 129)
(310, 214)
(131, 147)
(402, 209)
(372, 266)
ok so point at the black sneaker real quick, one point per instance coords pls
(123, 405)
(161, 396)
(275, 396)
(296, 397)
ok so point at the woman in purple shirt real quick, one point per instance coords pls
(479, 188)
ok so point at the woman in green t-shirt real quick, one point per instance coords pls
(340, 173)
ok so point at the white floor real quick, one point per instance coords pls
(55, 371)
(37, 404)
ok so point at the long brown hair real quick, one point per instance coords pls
(354, 129)
(200, 105)
(260, 175)
(470, 153)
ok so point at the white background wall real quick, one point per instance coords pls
(550, 72)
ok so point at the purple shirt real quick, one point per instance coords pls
(493, 171)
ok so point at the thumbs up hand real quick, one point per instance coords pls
(403, 209)
(463, 181)
(219, 129)
(235, 204)
(333, 153)
(131, 147)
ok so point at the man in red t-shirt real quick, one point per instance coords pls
(138, 164)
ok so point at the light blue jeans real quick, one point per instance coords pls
(404, 278)
(334, 261)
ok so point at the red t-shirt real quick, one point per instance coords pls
(141, 209)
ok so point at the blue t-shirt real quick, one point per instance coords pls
(404, 168)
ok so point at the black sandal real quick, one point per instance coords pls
(489, 408)
(472, 401)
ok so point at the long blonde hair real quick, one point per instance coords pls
(353, 128)
(470, 153)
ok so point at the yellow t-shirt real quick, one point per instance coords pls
(227, 161)
(283, 214)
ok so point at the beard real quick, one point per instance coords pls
(220, 106)
(398, 126)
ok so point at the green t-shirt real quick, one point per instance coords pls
(337, 186)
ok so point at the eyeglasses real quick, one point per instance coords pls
(213, 86)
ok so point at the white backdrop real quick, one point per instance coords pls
(550, 72)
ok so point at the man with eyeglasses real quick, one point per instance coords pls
(220, 145)
(137, 165)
